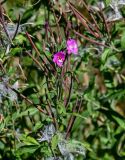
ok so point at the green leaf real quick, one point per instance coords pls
(54, 142)
(15, 51)
(30, 111)
(120, 121)
(107, 2)
(2, 145)
(28, 140)
(26, 149)
(61, 108)
(20, 38)
(105, 55)
(123, 41)
(77, 115)
(2, 125)
(37, 126)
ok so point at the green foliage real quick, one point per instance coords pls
(73, 112)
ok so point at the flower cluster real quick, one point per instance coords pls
(71, 46)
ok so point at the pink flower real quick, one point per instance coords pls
(59, 58)
(72, 46)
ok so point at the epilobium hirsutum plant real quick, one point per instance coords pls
(68, 67)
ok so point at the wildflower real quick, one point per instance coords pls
(72, 46)
(59, 58)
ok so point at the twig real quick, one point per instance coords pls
(88, 39)
(4, 71)
(3, 24)
(84, 21)
(58, 28)
(49, 109)
(105, 22)
(72, 118)
(70, 89)
(28, 100)
(32, 43)
(93, 18)
(38, 53)
(16, 31)
(35, 60)
(4, 27)
(52, 66)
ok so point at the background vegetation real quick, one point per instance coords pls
(75, 112)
